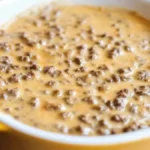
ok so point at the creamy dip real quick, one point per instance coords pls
(80, 70)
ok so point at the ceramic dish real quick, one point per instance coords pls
(36, 139)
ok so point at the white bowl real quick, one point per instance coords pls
(8, 10)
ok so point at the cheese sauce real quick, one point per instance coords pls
(80, 70)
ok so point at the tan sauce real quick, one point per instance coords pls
(77, 70)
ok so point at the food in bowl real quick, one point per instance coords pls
(79, 70)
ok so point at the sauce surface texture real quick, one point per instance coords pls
(80, 70)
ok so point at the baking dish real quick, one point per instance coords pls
(31, 138)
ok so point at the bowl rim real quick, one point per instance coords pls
(71, 139)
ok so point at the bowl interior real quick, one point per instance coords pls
(10, 8)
